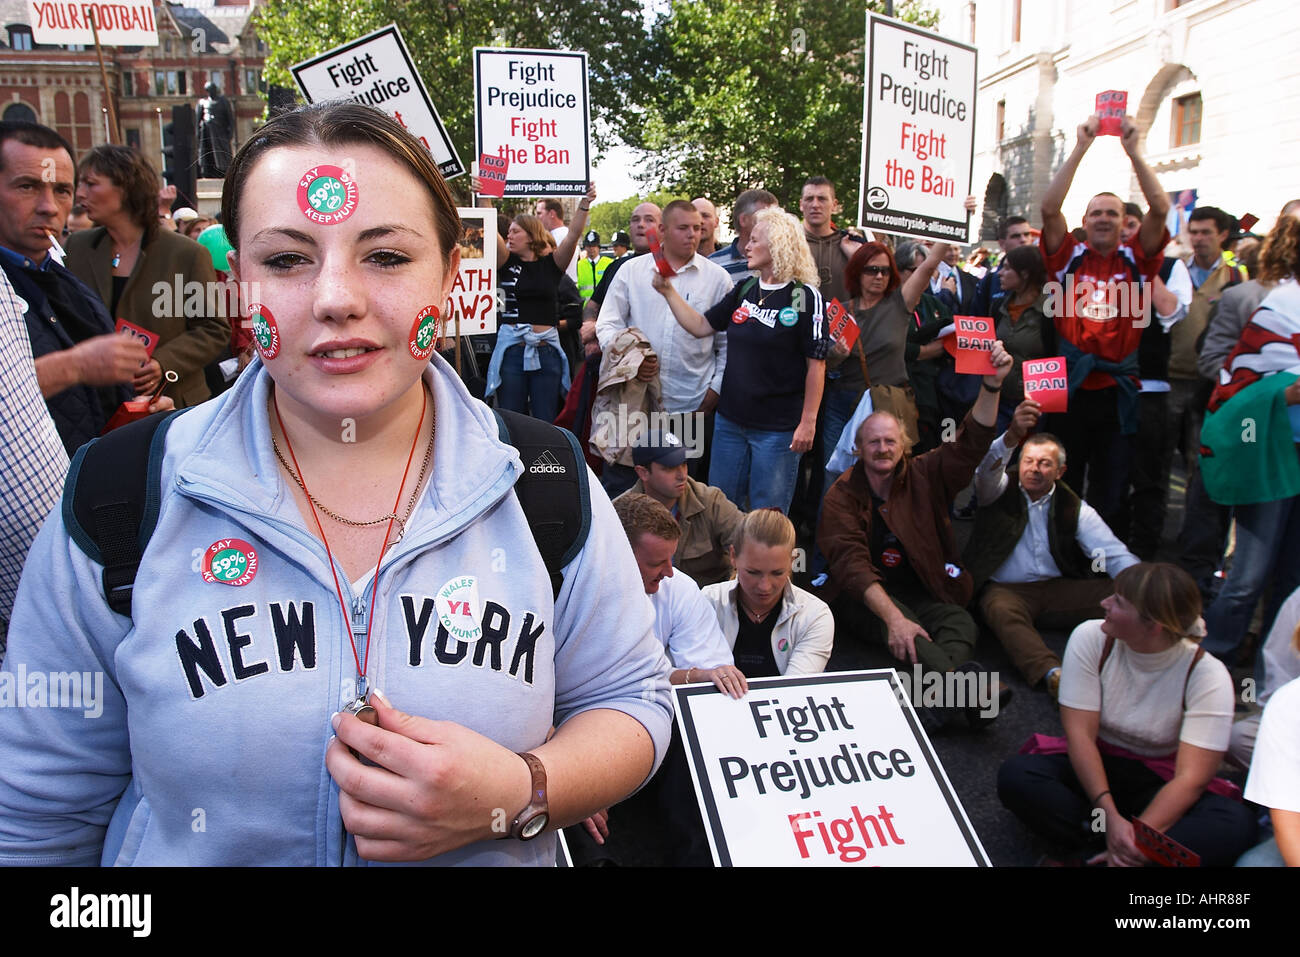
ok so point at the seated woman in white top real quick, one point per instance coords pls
(772, 627)
(1147, 717)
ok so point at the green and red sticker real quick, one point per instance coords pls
(265, 331)
(230, 561)
(424, 333)
(327, 194)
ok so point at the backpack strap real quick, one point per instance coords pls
(111, 499)
(1196, 659)
(745, 286)
(553, 490)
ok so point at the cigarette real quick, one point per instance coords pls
(57, 248)
(168, 378)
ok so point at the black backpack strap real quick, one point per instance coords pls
(553, 490)
(111, 499)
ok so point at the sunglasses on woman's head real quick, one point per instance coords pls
(876, 270)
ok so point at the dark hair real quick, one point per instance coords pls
(341, 124)
(1007, 223)
(817, 181)
(554, 205)
(748, 201)
(674, 206)
(858, 261)
(1222, 220)
(1133, 209)
(1027, 260)
(32, 134)
(134, 176)
(1162, 593)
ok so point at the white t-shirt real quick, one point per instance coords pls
(1275, 769)
(686, 624)
(1140, 696)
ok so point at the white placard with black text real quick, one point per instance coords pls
(918, 132)
(821, 770)
(531, 107)
(377, 70)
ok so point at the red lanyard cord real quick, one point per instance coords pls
(362, 662)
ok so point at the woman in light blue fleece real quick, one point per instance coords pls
(223, 733)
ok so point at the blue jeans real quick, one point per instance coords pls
(840, 406)
(753, 464)
(1266, 552)
(540, 388)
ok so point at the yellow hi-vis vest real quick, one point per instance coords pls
(589, 274)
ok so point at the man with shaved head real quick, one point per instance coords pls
(644, 217)
(708, 225)
(1105, 307)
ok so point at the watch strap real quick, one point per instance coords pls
(537, 803)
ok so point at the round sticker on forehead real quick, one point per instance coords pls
(327, 194)
(265, 332)
(424, 333)
(230, 561)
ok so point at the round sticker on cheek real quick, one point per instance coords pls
(265, 331)
(327, 194)
(424, 333)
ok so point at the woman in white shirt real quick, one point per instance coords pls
(772, 627)
(1147, 718)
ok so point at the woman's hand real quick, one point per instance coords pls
(147, 377)
(598, 826)
(438, 786)
(728, 679)
(1121, 847)
(803, 437)
(660, 283)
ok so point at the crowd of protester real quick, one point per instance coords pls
(744, 444)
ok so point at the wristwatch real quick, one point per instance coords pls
(533, 819)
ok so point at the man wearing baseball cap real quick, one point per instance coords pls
(708, 519)
(591, 267)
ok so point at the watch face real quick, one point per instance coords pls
(534, 826)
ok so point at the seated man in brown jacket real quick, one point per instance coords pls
(895, 571)
(707, 517)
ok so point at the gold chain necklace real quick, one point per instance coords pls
(391, 516)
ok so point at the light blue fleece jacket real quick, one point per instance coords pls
(217, 698)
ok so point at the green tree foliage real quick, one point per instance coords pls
(756, 93)
(607, 217)
(442, 35)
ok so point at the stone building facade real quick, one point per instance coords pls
(1214, 86)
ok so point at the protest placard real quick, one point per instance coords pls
(973, 341)
(377, 70)
(471, 307)
(841, 325)
(531, 108)
(492, 171)
(146, 338)
(1110, 109)
(821, 770)
(918, 132)
(1047, 383)
(122, 23)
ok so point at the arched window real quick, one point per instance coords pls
(20, 113)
